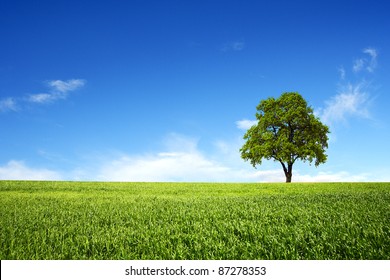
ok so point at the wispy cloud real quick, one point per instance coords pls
(352, 100)
(342, 73)
(372, 64)
(44, 97)
(57, 90)
(366, 63)
(245, 124)
(8, 104)
(358, 65)
(66, 86)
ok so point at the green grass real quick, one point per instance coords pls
(92, 220)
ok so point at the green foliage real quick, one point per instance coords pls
(72, 220)
(287, 130)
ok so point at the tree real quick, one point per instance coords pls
(287, 130)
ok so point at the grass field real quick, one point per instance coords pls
(92, 220)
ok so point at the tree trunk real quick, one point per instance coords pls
(288, 178)
(287, 171)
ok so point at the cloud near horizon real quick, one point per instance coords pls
(160, 168)
(180, 160)
(18, 170)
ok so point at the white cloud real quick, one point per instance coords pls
(18, 170)
(66, 86)
(175, 167)
(342, 73)
(190, 166)
(222, 165)
(58, 90)
(372, 64)
(365, 63)
(182, 160)
(353, 100)
(341, 176)
(245, 124)
(8, 104)
(45, 97)
(371, 51)
(358, 65)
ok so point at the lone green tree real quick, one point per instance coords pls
(287, 130)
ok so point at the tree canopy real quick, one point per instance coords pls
(287, 130)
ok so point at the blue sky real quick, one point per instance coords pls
(164, 90)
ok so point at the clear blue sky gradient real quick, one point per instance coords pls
(164, 90)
